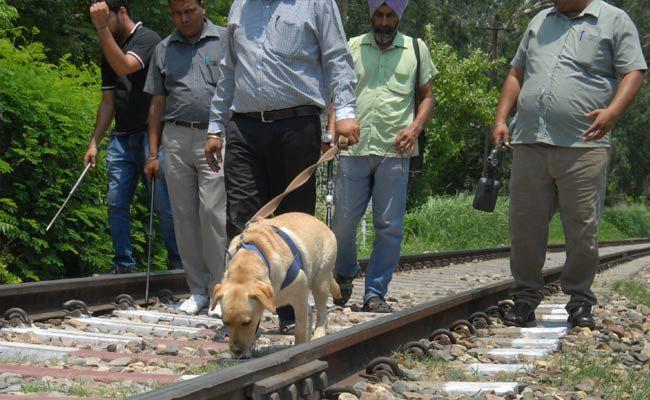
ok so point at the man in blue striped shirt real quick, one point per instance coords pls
(285, 62)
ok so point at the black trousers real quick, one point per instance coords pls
(260, 161)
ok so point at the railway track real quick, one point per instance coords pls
(131, 347)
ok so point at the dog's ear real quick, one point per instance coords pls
(264, 294)
(217, 294)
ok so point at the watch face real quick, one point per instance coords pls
(327, 137)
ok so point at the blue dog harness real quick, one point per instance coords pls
(296, 264)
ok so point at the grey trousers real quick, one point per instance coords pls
(545, 178)
(198, 201)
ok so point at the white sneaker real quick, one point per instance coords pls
(216, 312)
(194, 304)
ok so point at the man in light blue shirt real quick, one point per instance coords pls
(285, 61)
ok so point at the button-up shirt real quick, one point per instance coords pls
(283, 54)
(386, 91)
(187, 73)
(571, 67)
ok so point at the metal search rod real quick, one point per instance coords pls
(69, 195)
(150, 234)
(329, 198)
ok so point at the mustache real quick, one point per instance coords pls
(384, 29)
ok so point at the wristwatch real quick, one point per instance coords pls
(327, 137)
(215, 135)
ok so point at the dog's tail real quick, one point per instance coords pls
(335, 290)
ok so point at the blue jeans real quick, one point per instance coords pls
(125, 160)
(358, 179)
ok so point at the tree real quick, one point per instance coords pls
(8, 15)
(64, 26)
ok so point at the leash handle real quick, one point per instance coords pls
(270, 207)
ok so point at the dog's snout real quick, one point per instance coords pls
(236, 350)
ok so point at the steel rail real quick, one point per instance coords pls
(43, 300)
(348, 351)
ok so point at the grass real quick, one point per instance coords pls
(637, 292)
(80, 389)
(612, 382)
(35, 387)
(435, 370)
(450, 223)
(204, 368)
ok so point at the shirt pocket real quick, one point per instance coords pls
(593, 52)
(402, 81)
(209, 65)
(287, 36)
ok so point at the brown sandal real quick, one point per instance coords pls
(377, 305)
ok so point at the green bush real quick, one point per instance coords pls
(48, 112)
(465, 105)
(8, 15)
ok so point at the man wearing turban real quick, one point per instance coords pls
(391, 120)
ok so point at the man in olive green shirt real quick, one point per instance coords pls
(578, 67)
(377, 167)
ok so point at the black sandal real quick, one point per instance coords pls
(346, 286)
(376, 305)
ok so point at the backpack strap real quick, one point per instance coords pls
(416, 47)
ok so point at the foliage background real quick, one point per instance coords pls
(49, 91)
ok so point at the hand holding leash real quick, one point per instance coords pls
(348, 128)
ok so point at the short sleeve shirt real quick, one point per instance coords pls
(187, 73)
(386, 91)
(571, 66)
(131, 102)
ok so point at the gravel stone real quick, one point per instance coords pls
(121, 362)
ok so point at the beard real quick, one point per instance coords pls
(384, 34)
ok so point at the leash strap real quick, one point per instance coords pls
(302, 178)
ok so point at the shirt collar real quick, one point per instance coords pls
(592, 9)
(398, 41)
(209, 30)
(135, 28)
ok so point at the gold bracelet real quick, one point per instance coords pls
(152, 158)
(499, 123)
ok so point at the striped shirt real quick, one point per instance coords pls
(284, 54)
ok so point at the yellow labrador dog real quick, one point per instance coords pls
(265, 272)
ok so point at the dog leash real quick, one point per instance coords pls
(302, 178)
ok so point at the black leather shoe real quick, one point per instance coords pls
(521, 314)
(346, 286)
(581, 316)
(287, 320)
(119, 270)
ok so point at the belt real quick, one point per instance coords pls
(285, 113)
(193, 124)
